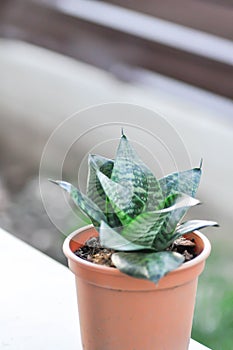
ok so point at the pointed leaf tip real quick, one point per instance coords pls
(122, 133)
(201, 163)
(63, 184)
(53, 181)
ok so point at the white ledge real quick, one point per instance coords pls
(38, 301)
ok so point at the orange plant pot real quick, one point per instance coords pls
(119, 312)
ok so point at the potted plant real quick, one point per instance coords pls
(137, 266)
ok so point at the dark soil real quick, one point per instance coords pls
(93, 252)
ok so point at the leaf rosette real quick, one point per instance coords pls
(137, 215)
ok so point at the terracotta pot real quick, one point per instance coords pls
(119, 312)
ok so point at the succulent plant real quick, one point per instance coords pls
(137, 215)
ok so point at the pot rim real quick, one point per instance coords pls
(202, 256)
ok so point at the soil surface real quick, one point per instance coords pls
(93, 252)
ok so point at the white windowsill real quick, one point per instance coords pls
(38, 300)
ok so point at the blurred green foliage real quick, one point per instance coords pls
(213, 320)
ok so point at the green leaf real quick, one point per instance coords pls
(110, 238)
(192, 225)
(120, 198)
(83, 202)
(165, 236)
(181, 201)
(169, 200)
(139, 230)
(185, 182)
(150, 266)
(131, 172)
(145, 227)
(120, 195)
(95, 190)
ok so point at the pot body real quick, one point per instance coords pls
(119, 312)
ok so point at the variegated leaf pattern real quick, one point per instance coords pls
(95, 190)
(121, 198)
(192, 225)
(185, 181)
(139, 230)
(150, 266)
(169, 200)
(112, 239)
(131, 171)
(176, 212)
(166, 235)
(83, 202)
(146, 226)
(136, 214)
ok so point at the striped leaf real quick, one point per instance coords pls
(192, 225)
(121, 198)
(146, 226)
(150, 266)
(166, 235)
(139, 230)
(176, 212)
(110, 238)
(95, 190)
(185, 182)
(169, 200)
(130, 171)
(83, 202)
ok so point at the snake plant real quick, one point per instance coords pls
(137, 215)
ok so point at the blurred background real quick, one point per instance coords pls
(176, 58)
